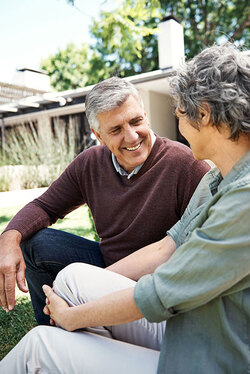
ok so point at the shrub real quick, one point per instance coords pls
(34, 159)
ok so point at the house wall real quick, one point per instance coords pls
(162, 117)
(160, 112)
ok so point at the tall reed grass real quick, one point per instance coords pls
(32, 158)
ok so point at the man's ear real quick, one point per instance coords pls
(146, 117)
(98, 136)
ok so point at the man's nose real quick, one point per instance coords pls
(130, 134)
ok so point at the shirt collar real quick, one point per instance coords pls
(240, 168)
(120, 169)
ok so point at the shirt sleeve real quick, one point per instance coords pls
(189, 177)
(214, 262)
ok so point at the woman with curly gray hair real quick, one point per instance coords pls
(218, 79)
(202, 291)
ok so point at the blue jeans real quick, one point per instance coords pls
(48, 252)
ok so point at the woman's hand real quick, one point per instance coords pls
(113, 309)
(56, 308)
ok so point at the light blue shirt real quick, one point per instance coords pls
(203, 290)
(123, 172)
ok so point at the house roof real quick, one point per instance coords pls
(71, 101)
(12, 92)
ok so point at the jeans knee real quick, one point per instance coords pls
(30, 244)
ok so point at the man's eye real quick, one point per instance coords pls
(115, 131)
(137, 122)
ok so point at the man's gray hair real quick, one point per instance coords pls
(108, 95)
(218, 76)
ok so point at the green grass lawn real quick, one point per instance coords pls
(14, 325)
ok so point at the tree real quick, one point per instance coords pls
(208, 21)
(120, 48)
(67, 68)
(125, 40)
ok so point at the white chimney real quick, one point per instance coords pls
(32, 78)
(170, 43)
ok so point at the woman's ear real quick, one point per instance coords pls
(204, 114)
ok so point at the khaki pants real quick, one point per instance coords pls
(129, 348)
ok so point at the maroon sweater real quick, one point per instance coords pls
(128, 213)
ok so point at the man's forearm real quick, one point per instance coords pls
(13, 235)
(145, 260)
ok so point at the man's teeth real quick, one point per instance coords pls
(133, 148)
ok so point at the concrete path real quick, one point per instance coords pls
(19, 197)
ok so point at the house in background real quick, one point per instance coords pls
(49, 109)
(26, 82)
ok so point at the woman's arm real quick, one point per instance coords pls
(145, 260)
(113, 309)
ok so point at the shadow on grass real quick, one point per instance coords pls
(5, 219)
(15, 325)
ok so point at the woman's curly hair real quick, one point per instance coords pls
(218, 76)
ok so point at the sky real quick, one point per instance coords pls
(34, 29)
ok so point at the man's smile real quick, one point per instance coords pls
(133, 148)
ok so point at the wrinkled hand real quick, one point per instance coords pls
(12, 268)
(56, 308)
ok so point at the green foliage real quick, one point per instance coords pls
(123, 37)
(122, 46)
(206, 22)
(67, 67)
(125, 40)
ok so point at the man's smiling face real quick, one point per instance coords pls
(126, 132)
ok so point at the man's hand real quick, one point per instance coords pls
(12, 268)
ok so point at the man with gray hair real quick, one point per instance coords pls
(136, 184)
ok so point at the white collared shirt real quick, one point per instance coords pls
(120, 169)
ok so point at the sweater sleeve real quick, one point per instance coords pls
(201, 195)
(63, 196)
(191, 172)
(213, 262)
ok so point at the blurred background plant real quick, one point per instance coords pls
(30, 159)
